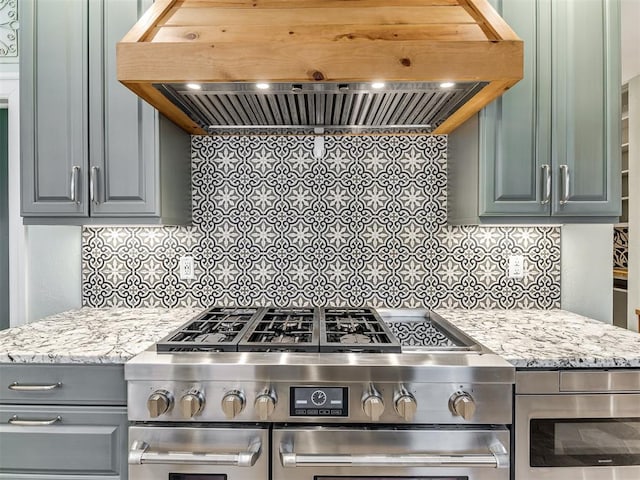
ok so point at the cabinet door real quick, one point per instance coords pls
(63, 442)
(586, 107)
(53, 107)
(515, 129)
(124, 167)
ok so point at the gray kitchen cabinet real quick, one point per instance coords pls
(63, 421)
(548, 148)
(92, 151)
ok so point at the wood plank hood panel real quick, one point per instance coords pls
(319, 58)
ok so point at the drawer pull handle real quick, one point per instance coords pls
(15, 386)
(141, 454)
(33, 423)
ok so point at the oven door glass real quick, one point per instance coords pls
(556, 442)
(391, 478)
(196, 476)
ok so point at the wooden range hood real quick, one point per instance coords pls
(319, 58)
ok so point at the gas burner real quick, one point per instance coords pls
(350, 325)
(282, 330)
(356, 338)
(355, 330)
(215, 330)
(211, 338)
(285, 339)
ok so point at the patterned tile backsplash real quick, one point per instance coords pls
(620, 247)
(364, 225)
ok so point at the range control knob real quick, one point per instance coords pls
(372, 404)
(405, 405)
(159, 403)
(192, 403)
(463, 405)
(232, 403)
(265, 404)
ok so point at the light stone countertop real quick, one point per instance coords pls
(548, 338)
(90, 335)
(525, 338)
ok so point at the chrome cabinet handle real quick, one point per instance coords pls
(93, 185)
(546, 184)
(496, 458)
(75, 184)
(33, 423)
(140, 454)
(33, 388)
(564, 171)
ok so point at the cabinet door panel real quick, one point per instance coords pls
(123, 145)
(515, 129)
(53, 96)
(84, 441)
(585, 95)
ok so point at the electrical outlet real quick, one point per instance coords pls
(516, 266)
(186, 268)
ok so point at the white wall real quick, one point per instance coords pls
(9, 94)
(53, 270)
(633, 285)
(630, 33)
(587, 275)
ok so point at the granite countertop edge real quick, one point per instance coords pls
(115, 335)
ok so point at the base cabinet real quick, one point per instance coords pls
(46, 435)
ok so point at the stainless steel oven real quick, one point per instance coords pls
(318, 394)
(577, 424)
(328, 453)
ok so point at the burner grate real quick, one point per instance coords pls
(355, 330)
(283, 330)
(216, 330)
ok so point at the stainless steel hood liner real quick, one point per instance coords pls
(220, 107)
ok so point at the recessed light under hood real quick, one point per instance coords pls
(342, 65)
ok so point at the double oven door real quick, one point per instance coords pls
(198, 452)
(289, 452)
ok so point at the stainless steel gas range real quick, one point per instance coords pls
(318, 394)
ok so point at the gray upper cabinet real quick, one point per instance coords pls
(585, 90)
(93, 152)
(54, 115)
(548, 147)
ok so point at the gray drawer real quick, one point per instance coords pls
(80, 442)
(63, 384)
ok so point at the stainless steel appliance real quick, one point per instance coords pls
(577, 424)
(317, 394)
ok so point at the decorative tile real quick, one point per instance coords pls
(365, 225)
(8, 30)
(419, 334)
(620, 247)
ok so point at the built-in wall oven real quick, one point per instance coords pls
(577, 424)
(280, 407)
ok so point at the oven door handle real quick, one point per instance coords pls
(140, 454)
(497, 457)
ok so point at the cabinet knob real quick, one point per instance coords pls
(192, 403)
(265, 404)
(159, 403)
(232, 404)
(462, 405)
(406, 405)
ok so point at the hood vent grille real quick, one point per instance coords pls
(224, 107)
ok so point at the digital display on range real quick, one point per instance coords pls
(319, 402)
